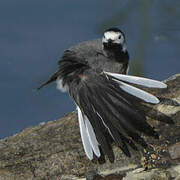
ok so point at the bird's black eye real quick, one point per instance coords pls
(119, 36)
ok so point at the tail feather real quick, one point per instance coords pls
(127, 112)
(84, 136)
(138, 80)
(92, 137)
(129, 142)
(111, 123)
(145, 96)
(97, 126)
(107, 105)
(108, 109)
(137, 139)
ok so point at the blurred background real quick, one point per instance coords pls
(34, 34)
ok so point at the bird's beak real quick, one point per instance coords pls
(110, 41)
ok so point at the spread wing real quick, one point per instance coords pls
(107, 106)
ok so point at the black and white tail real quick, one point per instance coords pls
(107, 105)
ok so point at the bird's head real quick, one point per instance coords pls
(114, 38)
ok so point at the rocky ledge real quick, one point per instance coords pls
(53, 150)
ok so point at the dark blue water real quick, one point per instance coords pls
(34, 34)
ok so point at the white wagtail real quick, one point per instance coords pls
(94, 75)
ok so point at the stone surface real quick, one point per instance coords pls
(174, 151)
(54, 150)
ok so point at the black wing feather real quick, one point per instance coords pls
(121, 124)
(96, 123)
(107, 107)
(124, 111)
(110, 110)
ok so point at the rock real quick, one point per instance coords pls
(154, 174)
(177, 178)
(174, 151)
(54, 150)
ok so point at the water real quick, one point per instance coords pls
(34, 34)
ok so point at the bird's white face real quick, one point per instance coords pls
(114, 38)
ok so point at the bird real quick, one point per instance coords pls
(95, 74)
